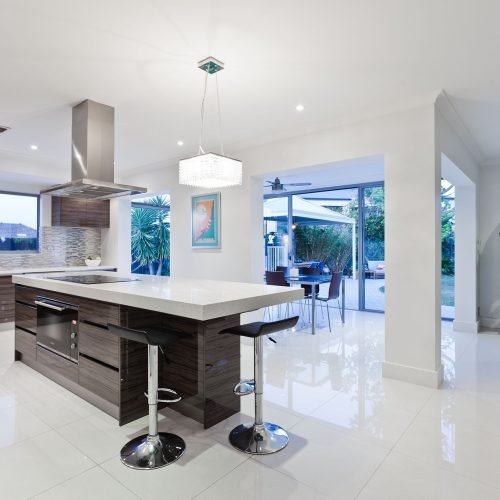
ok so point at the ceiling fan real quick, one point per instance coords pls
(277, 186)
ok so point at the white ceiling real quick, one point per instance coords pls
(342, 173)
(344, 60)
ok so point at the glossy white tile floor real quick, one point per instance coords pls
(353, 433)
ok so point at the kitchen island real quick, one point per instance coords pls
(7, 287)
(111, 373)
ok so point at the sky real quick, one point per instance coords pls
(17, 209)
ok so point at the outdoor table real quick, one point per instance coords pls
(314, 281)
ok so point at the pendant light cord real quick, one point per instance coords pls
(220, 115)
(200, 147)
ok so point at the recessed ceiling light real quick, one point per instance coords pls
(299, 107)
(34, 147)
(180, 143)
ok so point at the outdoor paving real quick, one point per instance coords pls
(374, 296)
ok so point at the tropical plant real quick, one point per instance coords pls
(329, 244)
(447, 232)
(151, 235)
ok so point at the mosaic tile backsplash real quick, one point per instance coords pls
(59, 246)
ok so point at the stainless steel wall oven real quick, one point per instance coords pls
(57, 327)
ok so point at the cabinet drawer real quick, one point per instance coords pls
(26, 317)
(99, 344)
(97, 312)
(99, 379)
(26, 294)
(58, 364)
(25, 345)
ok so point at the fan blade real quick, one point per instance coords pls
(297, 183)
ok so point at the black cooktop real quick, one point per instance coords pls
(92, 279)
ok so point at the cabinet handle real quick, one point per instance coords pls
(49, 306)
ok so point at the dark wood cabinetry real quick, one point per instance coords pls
(111, 373)
(100, 379)
(73, 212)
(26, 317)
(25, 346)
(6, 299)
(99, 344)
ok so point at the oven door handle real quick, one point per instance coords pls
(49, 306)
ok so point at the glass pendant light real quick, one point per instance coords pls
(210, 170)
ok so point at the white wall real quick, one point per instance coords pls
(458, 158)
(115, 241)
(406, 140)
(489, 231)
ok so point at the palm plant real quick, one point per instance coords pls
(151, 235)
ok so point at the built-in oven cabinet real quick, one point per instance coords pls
(26, 317)
(26, 295)
(111, 373)
(25, 346)
(62, 367)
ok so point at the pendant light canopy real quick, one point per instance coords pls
(210, 170)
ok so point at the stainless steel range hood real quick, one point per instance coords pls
(92, 156)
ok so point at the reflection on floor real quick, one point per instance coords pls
(353, 433)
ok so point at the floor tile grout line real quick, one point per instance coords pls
(62, 482)
(392, 448)
(220, 478)
(116, 479)
(27, 438)
(283, 473)
(429, 462)
(432, 463)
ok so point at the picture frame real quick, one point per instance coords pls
(205, 220)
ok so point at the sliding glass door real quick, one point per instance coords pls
(373, 248)
(343, 226)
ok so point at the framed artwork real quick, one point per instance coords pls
(205, 221)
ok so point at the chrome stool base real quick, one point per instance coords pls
(152, 452)
(260, 439)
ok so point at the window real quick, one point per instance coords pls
(19, 217)
(151, 235)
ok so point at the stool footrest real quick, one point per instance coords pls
(245, 387)
(176, 398)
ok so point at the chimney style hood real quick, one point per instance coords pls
(92, 156)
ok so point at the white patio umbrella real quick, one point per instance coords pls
(305, 212)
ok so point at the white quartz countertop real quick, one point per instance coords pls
(52, 269)
(188, 298)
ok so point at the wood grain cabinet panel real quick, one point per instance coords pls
(26, 317)
(25, 345)
(99, 344)
(99, 379)
(26, 295)
(7, 292)
(97, 213)
(73, 212)
(100, 313)
(57, 364)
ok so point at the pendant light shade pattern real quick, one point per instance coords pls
(210, 170)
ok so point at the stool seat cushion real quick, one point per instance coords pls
(259, 328)
(151, 336)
